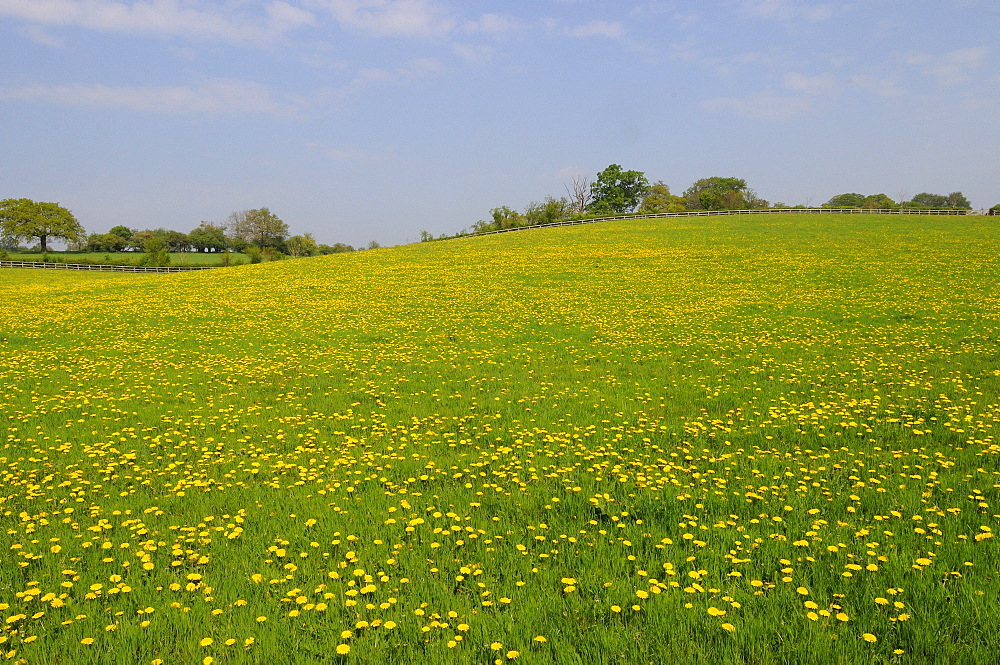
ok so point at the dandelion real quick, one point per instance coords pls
(728, 627)
(868, 637)
(87, 641)
(343, 649)
(206, 642)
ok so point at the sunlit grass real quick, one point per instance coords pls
(720, 440)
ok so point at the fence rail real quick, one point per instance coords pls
(714, 213)
(100, 267)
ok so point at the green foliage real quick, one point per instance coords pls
(156, 250)
(335, 248)
(255, 254)
(955, 201)
(258, 227)
(659, 199)
(616, 191)
(303, 245)
(26, 219)
(271, 254)
(718, 193)
(208, 237)
(849, 200)
(878, 202)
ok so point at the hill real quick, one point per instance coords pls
(726, 439)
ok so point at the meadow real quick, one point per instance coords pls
(721, 440)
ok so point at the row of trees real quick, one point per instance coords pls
(618, 191)
(922, 201)
(257, 232)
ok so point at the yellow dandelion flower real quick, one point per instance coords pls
(728, 626)
(343, 649)
(868, 637)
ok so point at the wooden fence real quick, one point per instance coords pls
(100, 267)
(713, 213)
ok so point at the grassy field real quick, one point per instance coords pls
(716, 440)
(129, 258)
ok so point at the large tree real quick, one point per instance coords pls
(26, 219)
(721, 194)
(955, 200)
(258, 227)
(208, 237)
(659, 199)
(848, 200)
(617, 191)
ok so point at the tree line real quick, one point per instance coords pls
(616, 191)
(258, 233)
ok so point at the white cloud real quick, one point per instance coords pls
(411, 70)
(790, 9)
(883, 87)
(610, 29)
(215, 97)
(405, 18)
(40, 36)
(168, 17)
(760, 106)
(493, 24)
(956, 67)
(474, 52)
(821, 84)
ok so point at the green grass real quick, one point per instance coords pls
(782, 419)
(128, 258)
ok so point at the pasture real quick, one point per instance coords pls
(716, 440)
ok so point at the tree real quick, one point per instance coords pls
(850, 200)
(335, 248)
(208, 237)
(303, 245)
(374, 244)
(616, 191)
(157, 253)
(258, 227)
(549, 211)
(578, 191)
(958, 201)
(659, 199)
(717, 193)
(955, 201)
(26, 219)
(927, 200)
(878, 202)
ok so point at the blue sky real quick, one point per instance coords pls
(373, 119)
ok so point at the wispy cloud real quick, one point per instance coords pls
(952, 68)
(216, 97)
(879, 85)
(493, 24)
(611, 29)
(760, 106)
(404, 18)
(193, 19)
(474, 52)
(802, 10)
(821, 84)
(41, 36)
